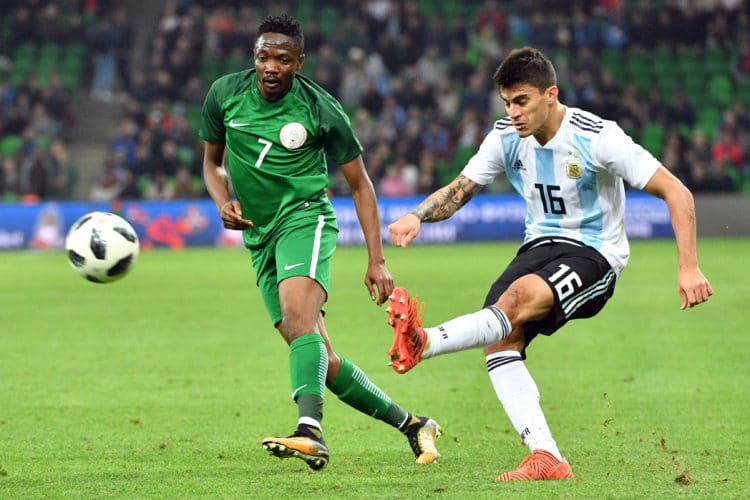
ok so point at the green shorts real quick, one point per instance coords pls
(303, 247)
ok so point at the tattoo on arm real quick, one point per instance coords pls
(447, 200)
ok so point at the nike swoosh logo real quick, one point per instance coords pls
(235, 124)
(297, 390)
(292, 266)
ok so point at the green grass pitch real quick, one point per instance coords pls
(162, 385)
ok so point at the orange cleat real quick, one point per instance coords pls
(409, 338)
(539, 466)
(303, 445)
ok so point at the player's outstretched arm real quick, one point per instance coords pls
(692, 285)
(378, 279)
(438, 206)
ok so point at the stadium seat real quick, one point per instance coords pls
(186, 156)
(560, 56)
(652, 138)
(742, 92)
(76, 51)
(690, 63)
(328, 18)
(42, 78)
(638, 63)
(694, 86)
(71, 63)
(454, 9)
(665, 65)
(716, 60)
(667, 83)
(685, 131)
(663, 56)
(735, 176)
(311, 64)
(461, 156)
(210, 70)
(24, 62)
(6, 24)
(445, 172)
(49, 52)
(707, 121)
(642, 81)
(518, 40)
(720, 90)
(142, 184)
(24, 51)
(234, 64)
(73, 58)
(17, 76)
(611, 58)
(304, 10)
(71, 77)
(10, 145)
(43, 142)
(193, 115)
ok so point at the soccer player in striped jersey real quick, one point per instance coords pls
(569, 166)
(276, 127)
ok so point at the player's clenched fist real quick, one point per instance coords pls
(404, 230)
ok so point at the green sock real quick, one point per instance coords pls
(353, 387)
(308, 365)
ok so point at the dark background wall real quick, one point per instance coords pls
(722, 215)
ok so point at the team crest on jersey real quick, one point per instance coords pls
(574, 165)
(293, 135)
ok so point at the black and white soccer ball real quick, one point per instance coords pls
(102, 247)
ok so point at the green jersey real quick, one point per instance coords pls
(276, 151)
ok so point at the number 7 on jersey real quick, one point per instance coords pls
(266, 147)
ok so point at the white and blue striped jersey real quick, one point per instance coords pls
(573, 185)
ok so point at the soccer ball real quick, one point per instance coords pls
(102, 247)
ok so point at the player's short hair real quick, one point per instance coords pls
(526, 65)
(286, 25)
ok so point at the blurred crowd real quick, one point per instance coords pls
(36, 113)
(415, 78)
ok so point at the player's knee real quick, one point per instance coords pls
(526, 299)
(293, 326)
(512, 302)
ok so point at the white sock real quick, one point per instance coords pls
(479, 329)
(519, 395)
(309, 421)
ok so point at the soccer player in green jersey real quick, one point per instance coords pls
(276, 127)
